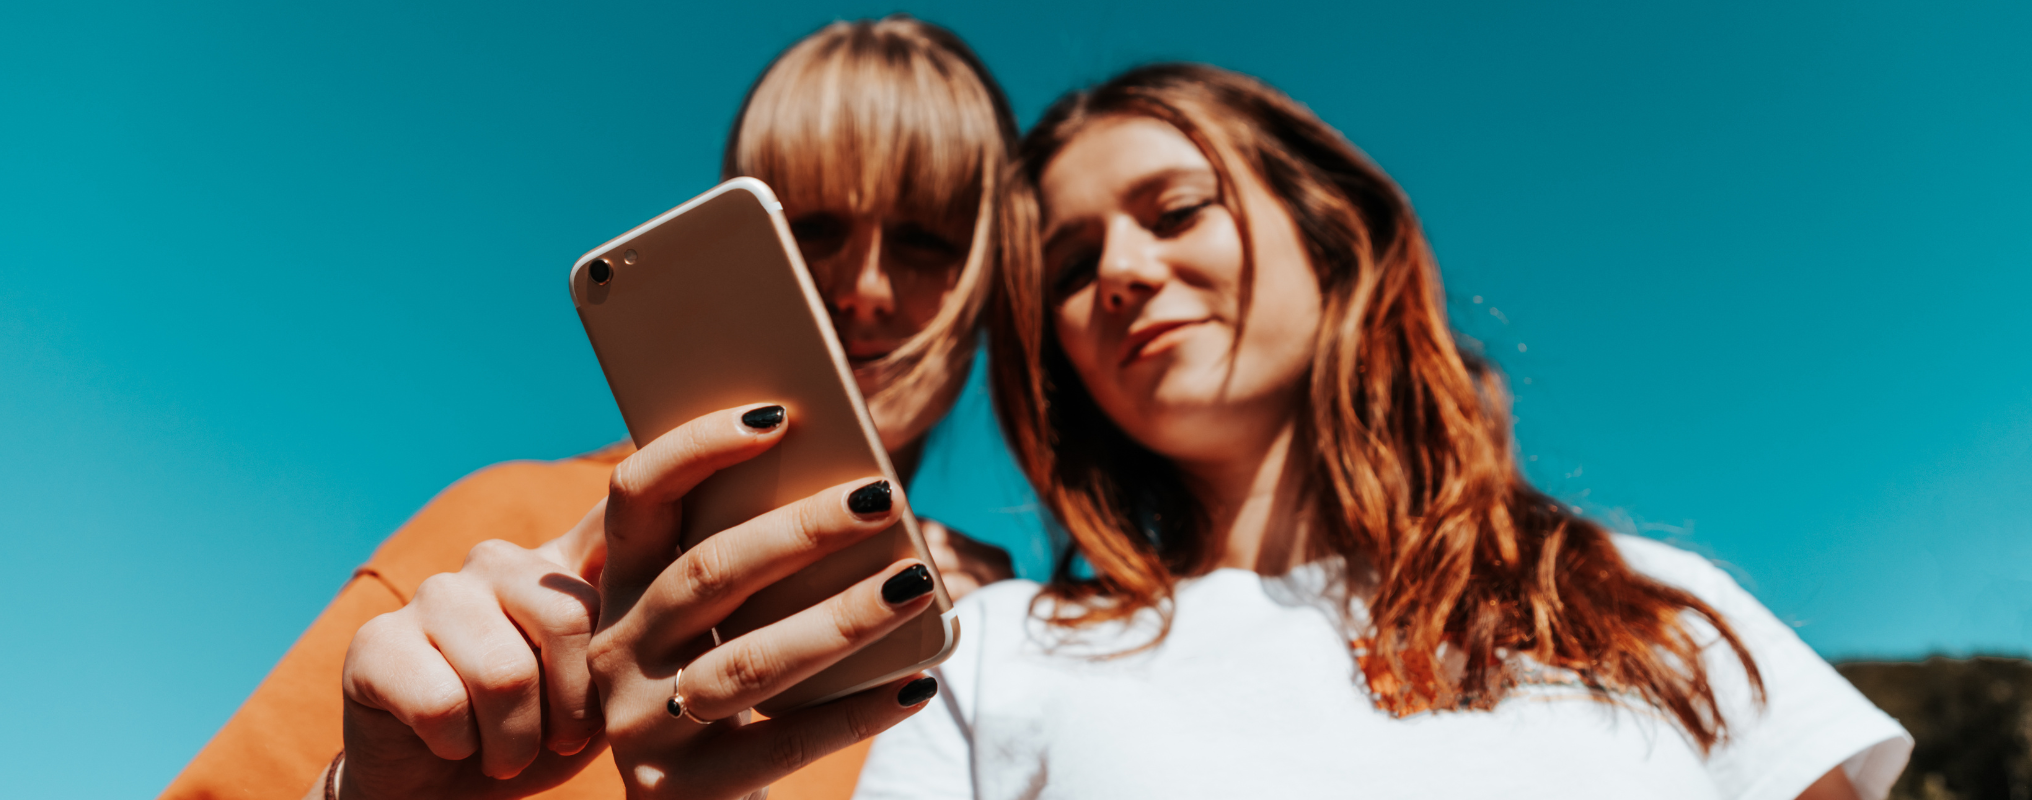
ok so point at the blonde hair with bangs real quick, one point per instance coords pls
(872, 115)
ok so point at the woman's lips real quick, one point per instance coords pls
(865, 352)
(1154, 338)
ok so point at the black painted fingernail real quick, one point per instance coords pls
(763, 418)
(907, 585)
(873, 498)
(917, 691)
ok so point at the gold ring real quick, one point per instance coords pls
(678, 706)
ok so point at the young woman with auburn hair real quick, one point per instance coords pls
(511, 675)
(1304, 560)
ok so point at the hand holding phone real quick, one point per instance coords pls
(761, 513)
(655, 641)
(709, 306)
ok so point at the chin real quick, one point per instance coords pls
(1181, 440)
(1189, 393)
(1194, 420)
(866, 381)
(1169, 428)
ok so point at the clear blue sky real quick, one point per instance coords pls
(276, 273)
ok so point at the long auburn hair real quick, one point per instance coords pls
(868, 115)
(1409, 463)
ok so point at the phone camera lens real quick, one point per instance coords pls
(600, 271)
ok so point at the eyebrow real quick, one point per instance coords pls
(1144, 186)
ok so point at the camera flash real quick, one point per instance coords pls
(628, 257)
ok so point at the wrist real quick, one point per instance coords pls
(333, 773)
(326, 787)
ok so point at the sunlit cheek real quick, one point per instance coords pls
(926, 302)
(826, 273)
(1076, 338)
(1277, 351)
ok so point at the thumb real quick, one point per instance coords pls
(583, 549)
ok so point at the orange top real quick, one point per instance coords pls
(289, 729)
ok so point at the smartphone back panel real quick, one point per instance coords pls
(709, 306)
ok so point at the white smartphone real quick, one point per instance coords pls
(709, 306)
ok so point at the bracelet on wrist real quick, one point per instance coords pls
(332, 775)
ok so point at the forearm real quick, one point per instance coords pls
(1832, 786)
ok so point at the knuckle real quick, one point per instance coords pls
(629, 480)
(377, 630)
(563, 616)
(438, 588)
(861, 725)
(602, 649)
(751, 673)
(374, 642)
(358, 675)
(606, 665)
(493, 553)
(846, 626)
(507, 676)
(788, 753)
(436, 708)
(707, 575)
(808, 521)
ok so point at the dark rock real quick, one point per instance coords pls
(1971, 721)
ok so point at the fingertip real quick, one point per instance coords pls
(440, 713)
(456, 748)
(762, 419)
(872, 500)
(907, 584)
(571, 735)
(917, 692)
(504, 767)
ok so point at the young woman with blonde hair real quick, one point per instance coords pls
(511, 675)
(1305, 561)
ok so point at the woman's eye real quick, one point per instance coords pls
(917, 246)
(1178, 219)
(915, 236)
(819, 235)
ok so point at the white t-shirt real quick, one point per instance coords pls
(1255, 694)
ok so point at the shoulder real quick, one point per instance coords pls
(524, 502)
(1760, 630)
(1661, 560)
(1810, 720)
(1678, 568)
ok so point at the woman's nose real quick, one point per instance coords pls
(861, 290)
(1130, 270)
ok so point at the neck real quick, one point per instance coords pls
(906, 458)
(1255, 506)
